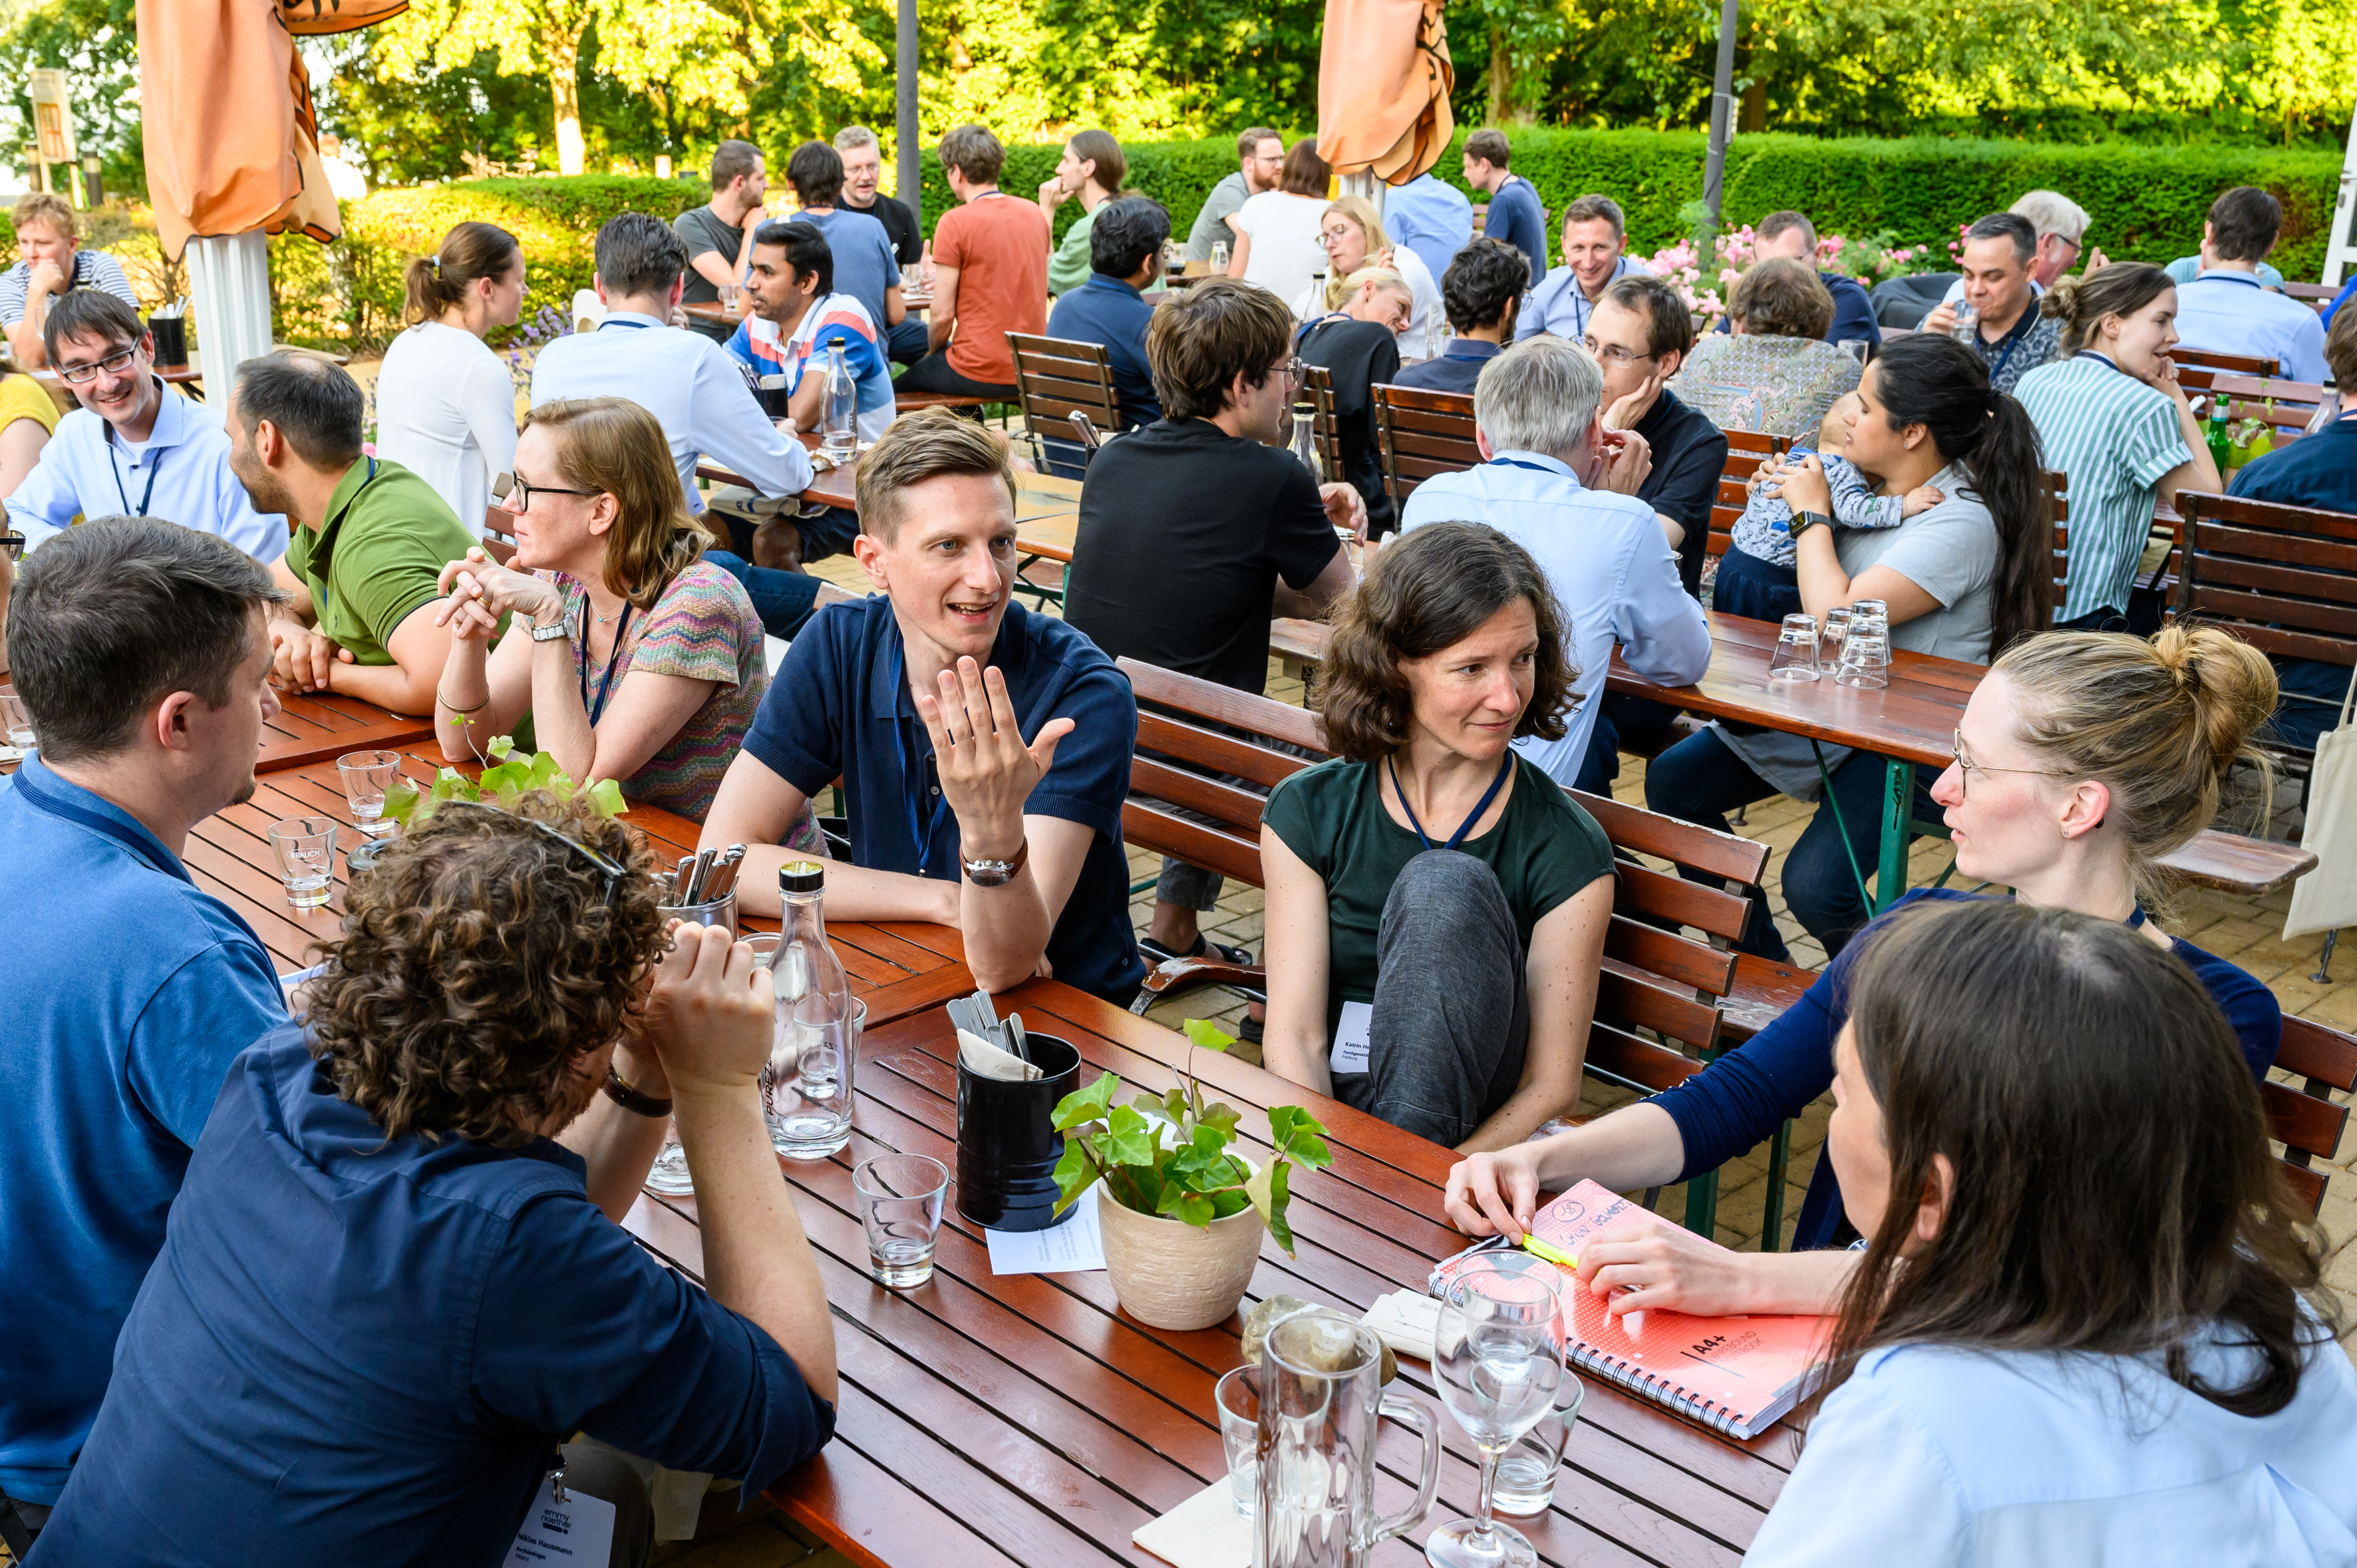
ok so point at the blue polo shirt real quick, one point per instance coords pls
(1108, 311)
(840, 707)
(2319, 470)
(1433, 219)
(126, 993)
(1514, 216)
(2229, 311)
(1457, 370)
(357, 1349)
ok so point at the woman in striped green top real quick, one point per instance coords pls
(2112, 420)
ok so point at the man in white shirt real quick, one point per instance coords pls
(1564, 488)
(2227, 307)
(696, 392)
(1595, 234)
(133, 447)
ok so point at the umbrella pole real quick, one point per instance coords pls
(229, 285)
(1362, 182)
(906, 134)
(1722, 127)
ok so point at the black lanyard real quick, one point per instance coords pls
(612, 656)
(1505, 766)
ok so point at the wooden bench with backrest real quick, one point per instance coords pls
(1655, 978)
(1746, 450)
(2286, 406)
(1056, 378)
(2218, 360)
(1315, 397)
(910, 402)
(1422, 434)
(2316, 294)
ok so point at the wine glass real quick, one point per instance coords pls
(1498, 1362)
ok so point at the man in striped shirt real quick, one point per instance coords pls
(46, 231)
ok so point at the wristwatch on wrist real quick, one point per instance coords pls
(1804, 521)
(995, 873)
(558, 630)
(632, 1100)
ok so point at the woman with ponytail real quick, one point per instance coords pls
(1964, 580)
(445, 403)
(2082, 758)
(2115, 422)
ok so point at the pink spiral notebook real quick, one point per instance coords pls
(1736, 1375)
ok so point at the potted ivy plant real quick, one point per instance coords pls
(510, 774)
(1182, 1209)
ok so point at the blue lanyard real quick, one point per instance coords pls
(116, 469)
(612, 655)
(1518, 463)
(901, 755)
(2245, 278)
(631, 326)
(2013, 339)
(1505, 766)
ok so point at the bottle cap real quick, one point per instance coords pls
(801, 876)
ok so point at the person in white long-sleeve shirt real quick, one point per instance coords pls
(2085, 1331)
(1558, 484)
(445, 403)
(696, 392)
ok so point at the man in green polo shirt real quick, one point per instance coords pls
(371, 538)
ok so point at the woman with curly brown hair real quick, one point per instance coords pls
(394, 1281)
(1436, 905)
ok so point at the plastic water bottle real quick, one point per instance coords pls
(839, 416)
(806, 1091)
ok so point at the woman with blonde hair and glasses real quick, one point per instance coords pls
(2082, 758)
(1354, 240)
(637, 660)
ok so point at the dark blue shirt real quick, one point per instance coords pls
(1456, 371)
(1515, 217)
(1108, 311)
(2319, 470)
(125, 993)
(356, 1349)
(1853, 311)
(1740, 1101)
(840, 707)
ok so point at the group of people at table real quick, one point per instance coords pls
(304, 1275)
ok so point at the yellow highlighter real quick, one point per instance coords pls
(1538, 1248)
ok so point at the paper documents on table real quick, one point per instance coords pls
(1068, 1247)
(985, 1060)
(1204, 1531)
(1407, 1322)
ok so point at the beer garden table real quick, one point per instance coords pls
(1024, 1419)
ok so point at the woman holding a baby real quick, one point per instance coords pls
(1966, 570)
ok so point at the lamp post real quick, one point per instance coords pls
(906, 134)
(1722, 124)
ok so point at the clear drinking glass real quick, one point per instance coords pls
(1527, 1474)
(1834, 633)
(1871, 609)
(306, 848)
(1796, 658)
(901, 1206)
(367, 775)
(1498, 1361)
(1219, 258)
(1968, 322)
(18, 718)
(1237, 1394)
(1855, 347)
(1865, 656)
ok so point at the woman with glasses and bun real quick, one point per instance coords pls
(2082, 758)
(2086, 1325)
(636, 659)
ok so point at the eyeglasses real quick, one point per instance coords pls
(114, 364)
(612, 869)
(12, 545)
(1294, 370)
(508, 485)
(1612, 353)
(1966, 767)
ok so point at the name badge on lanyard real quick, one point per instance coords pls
(563, 1527)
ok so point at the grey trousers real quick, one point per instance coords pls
(1452, 1014)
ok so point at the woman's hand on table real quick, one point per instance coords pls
(1495, 1194)
(478, 591)
(1641, 1265)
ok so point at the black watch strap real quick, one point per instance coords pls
(630, 1100)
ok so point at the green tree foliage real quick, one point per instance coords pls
(95, 42)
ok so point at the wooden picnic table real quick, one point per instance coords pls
(1024, 1419)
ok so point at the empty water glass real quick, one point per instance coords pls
(367, 775)
(306, 848)
(900, 1206)
(1836, 630)
(1498, 1363)
(18, 718)
(1796, 658)
(1237, 1394)
(1855, 347)
(1871, 609)
(1525, 1484)
(668, 1174)
(1865, 656)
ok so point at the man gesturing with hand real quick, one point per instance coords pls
(984, 750)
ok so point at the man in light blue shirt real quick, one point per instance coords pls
(1559, 487)
(1433, 219)
(143, 652)
(1595, 233)
(696, 392)
(133, 447)
(2229, 309)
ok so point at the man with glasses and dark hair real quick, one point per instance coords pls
(133, 446)
(689, 383)
(142, 650)
(1641, 333)
(371, 538)
(396, 1285)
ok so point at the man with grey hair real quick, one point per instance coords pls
(863, 167)
(1562, 486)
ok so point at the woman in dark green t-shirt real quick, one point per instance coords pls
(1436, 905)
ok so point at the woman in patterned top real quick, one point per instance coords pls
(638, 660)
(1774, 371)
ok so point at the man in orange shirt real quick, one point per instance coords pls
(990, 275)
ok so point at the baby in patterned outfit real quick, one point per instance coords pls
(1757, 578)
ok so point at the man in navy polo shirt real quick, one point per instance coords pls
(920, 700)
(142, 650)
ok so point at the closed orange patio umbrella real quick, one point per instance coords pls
(1383, 76)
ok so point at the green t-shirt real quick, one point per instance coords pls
(1544, 850)
(388, 537)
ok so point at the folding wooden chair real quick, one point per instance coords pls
(1422, 434)
(1056, 378)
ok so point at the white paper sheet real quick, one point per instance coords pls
(1352, 1037)
(1070, 1247)
(1204, 1531)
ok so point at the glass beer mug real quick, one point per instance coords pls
(1321, 1395)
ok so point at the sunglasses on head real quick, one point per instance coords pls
(612, 869)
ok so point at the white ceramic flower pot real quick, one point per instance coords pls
(1170, 1274)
